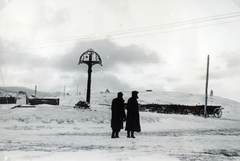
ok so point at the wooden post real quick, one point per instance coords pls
(77, 90)
(35, 90)
(64, 92)
(206, 90)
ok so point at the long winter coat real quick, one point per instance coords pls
(133, 122)
(118, 114)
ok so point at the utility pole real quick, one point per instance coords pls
(206, 89)
(90, 58)
(64, 91)
(77, 90)
(35, 90)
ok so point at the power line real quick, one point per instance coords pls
(149, 28)
(183, 29)
(180, 23)
(170, 25)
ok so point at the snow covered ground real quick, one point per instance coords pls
(63, 133)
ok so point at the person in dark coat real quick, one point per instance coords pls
(133, 121)
(118, 115)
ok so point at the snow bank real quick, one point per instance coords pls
(61, 132)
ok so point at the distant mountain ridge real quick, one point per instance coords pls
(29, 92)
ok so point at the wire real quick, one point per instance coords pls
(149, 28)
(184, 29)
(152, 28)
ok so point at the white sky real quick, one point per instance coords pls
(144, 44)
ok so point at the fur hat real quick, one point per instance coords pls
(134, 92)
(120, 94)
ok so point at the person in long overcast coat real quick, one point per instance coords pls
(118, 115)
(133, 121)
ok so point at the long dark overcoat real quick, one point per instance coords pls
(133, 122)
(118, 114)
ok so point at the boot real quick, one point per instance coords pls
(128, 134)
(132, 134)
(113, 134)
(117, 136)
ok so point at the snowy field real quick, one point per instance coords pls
(62, 133)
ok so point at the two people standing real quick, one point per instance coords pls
(118, 115)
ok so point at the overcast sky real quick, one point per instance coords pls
(143, 44)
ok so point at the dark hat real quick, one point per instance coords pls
(134, 92)
(120, 94)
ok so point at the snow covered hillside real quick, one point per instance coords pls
(14, 91)
(61, 133)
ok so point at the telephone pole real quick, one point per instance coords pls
(206, 89)
(35, 90)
